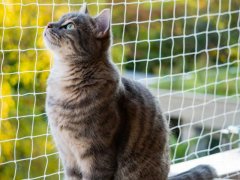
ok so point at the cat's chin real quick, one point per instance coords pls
(50, 43)
(51, 46)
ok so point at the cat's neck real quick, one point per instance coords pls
(65, 70)
(65, 78)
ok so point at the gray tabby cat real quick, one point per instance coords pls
(105, 126)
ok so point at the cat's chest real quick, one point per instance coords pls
(61, 136)
(56, 90)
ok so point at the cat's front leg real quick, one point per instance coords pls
(96, 165)
(72, 174)
(96, 171)
(71, 169)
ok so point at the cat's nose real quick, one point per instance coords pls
(50, 25)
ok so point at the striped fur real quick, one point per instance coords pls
(105, 126)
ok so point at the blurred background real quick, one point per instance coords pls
(182, 50)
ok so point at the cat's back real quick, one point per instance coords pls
(142, 110)
(143, 142)
(136, 91)
(139, 99)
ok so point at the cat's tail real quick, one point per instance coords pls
(201, 172)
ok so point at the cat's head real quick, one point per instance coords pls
(79, 36)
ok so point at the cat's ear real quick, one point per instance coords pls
(84, 9)
(103, 23)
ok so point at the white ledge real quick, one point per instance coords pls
(227, 162)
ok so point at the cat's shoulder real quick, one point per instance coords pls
(132, 85)
(135, 89)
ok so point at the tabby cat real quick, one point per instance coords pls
(105, 127)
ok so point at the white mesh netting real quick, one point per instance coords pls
(186, 52)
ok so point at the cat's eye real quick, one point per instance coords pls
(70, 26)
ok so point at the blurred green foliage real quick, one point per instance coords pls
(171, 39)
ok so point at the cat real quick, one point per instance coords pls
(105, 127)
